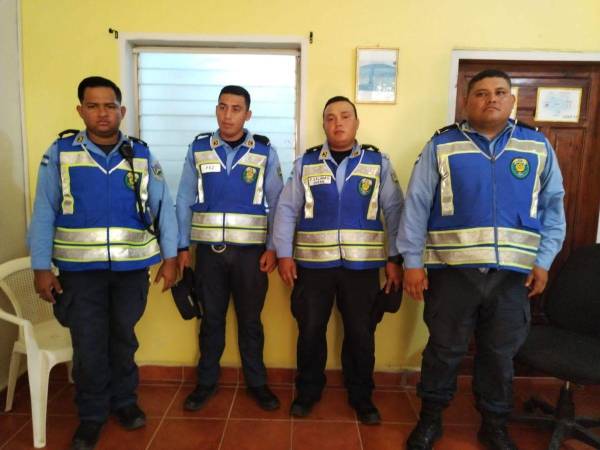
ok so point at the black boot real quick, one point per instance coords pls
(493, 433)
(428, 429)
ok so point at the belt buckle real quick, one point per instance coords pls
(218, 248)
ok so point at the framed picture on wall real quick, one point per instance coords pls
(558, 104)
(376, 75)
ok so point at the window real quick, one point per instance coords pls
(178, 90)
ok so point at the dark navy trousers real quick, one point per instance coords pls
(101, 308)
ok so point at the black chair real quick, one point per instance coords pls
(567, 348)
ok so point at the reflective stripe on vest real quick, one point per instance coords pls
(331, 245)
(312, 173)
(229, 227)
(82, 158)
(102, 244)
(483, 236)
(507, 256)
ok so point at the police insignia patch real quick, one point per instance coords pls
(129, 180)
(79, 139)
(365, 186)
(157, 171)
(279, 173)
(249, 175)
(45, 160)
(519, 167)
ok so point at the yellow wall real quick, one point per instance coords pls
(66, 40)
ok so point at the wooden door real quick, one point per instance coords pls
(577, 144)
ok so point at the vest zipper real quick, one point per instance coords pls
(106, 166)
(494, 220)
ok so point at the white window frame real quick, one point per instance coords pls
(128, 41)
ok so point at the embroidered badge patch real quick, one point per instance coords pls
(365, 186)
(519, 167)
(129, 180)
(250, 174)
(157, 171)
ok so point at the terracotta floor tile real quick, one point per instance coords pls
(216, 407)
(164, 374)
(63, 403)
(245, 406)
(228, 375)
(257, 435)
(309, 435)
(387, 436)
(277, 376)
(115, 437)
(394, 406)
(188, 434)
(460, 412)
(529, 438)
(10, 425)
(59, 432)
(332, 406)
(21, 403)
(388, 379)
(335, 378)
(154, 400)
(459, 437)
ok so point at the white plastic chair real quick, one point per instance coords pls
(44, 341)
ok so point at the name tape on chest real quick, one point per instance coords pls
(209, 168)
(321, 179)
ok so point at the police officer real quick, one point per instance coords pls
(103, 215)
(331, 209)
(484, 213)
(226, 202)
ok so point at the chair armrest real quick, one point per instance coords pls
(26, 326)
(13, 319)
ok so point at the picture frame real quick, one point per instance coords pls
(376, 75)
(558, 104)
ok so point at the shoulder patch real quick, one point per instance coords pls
(526, 125)
(316, 148)
(137, 140)
(45, 160)
(68, 132)
(262, 139)
(157, 171)
(369, 147)
(202, 135)
(446, 128)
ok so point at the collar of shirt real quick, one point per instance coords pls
(216, 140)
(326, 152)
(485, 144)
(83, 140)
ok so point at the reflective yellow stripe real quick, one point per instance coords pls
(207, 219)
(245, 220)
(370, 171)
(516, 258)
(239, 236)
(360, 253)
(361, 237)
(67, 160)
(538, 149)
(118, 253)
(204, 157)
(207, 234)
(326, 237)
(464, 237)
(443, 152)
(457, 256)
(518, 238)
(317, 254)
(308, 171)
(99, 235)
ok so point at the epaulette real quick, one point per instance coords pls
(316, 148)
(68, 132)
(202, 135)
(137, 140)
(369, 147)
(526, 125)
(262, 139)
(446, 128)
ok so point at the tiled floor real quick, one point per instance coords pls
(231, 420)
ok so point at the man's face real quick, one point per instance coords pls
(232, 113)
(340, 125)
(101, 112)
(489, 102)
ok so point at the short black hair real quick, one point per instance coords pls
(339, 98)
(488, 73)
(96, 81)
(236, 90)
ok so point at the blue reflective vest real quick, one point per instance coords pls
(231, 206)
(341, 229)
(485, 210)
(98, 225)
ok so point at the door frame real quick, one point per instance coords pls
(511, 55)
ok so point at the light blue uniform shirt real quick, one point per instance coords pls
(187, 194)
(291, 203)
(423, 183)
(48, 199)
